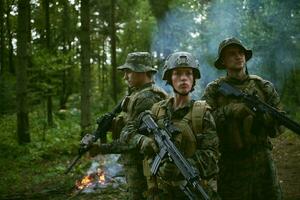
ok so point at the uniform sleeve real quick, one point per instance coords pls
(207, 153)
(130, 133)
(273, 99)
(210, 96)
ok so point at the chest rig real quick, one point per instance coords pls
(253, 86)
(190, 125)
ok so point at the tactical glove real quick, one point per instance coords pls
(148, 146)
(237, 110)
(87, 140)
(168, 170)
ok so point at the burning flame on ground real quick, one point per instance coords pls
(91, 179)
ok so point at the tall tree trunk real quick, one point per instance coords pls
(113, 51)
(10, 45)
(1, 36)
(64, 93)
(23, 46)
(85, 66)
(47, 44)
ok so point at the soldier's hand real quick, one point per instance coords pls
(148, 146)
(105, 117)
(87, 140)
(237, 110)
(268, 120)
(168, 170)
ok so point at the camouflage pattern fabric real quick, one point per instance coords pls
(138, 62)
(204, 158)
(229, 42)
(247, 173)
(140, 100)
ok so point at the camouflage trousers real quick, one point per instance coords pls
(252, 177)
(136, 182)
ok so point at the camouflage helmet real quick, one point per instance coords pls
(228, 42)
(180, 60)
(138, 62)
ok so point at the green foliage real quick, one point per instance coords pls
(7, 94)
(47, 156)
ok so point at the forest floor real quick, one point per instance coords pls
(286, 155)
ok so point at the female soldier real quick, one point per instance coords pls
(197, 139)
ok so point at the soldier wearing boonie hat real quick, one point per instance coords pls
(138, 71)
(247, 170)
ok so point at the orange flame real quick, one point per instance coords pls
(101, 176)
(89, 179)
(85, 182)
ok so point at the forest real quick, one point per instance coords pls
(58, 74)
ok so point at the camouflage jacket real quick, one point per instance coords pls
(251, 84)
(204, 156)
(141, 99)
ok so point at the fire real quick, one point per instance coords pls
(101, 176)
(91, 179)
(85, 182)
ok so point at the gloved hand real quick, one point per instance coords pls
(237, 110)
(168, 170)
(268, 120)
(148, 146)
(87, 140)
(104, 117)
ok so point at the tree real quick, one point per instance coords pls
(113, 50)
(47, 45)
(2, 45)
(85, 66)
(23, 46)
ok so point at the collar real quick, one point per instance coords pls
(236, 81)
(135, 89)
(180, 112)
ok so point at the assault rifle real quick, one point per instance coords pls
(167, 148)
(258, 106)
(104, 124)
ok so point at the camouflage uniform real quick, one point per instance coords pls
(140, 99)
(247, 170)
(197, 139)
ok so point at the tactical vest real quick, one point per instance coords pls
(190, 125)
(128, 108)
(254, 86)
(237, 136)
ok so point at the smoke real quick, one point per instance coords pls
(272, 32)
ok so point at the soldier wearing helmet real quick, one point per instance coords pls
(196, 139)
(246, 167)
(138, 71)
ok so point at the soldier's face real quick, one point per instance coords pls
(182, 80)
(134, 79)
(234, 58)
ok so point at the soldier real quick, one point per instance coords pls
(247, 170)
(197, 139)
(138, 71)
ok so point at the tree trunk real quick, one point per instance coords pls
(23, 46)
(85, 66)
(47, 44)
(66, 21)
(113, 51)
(10, 45)
(2, 48)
